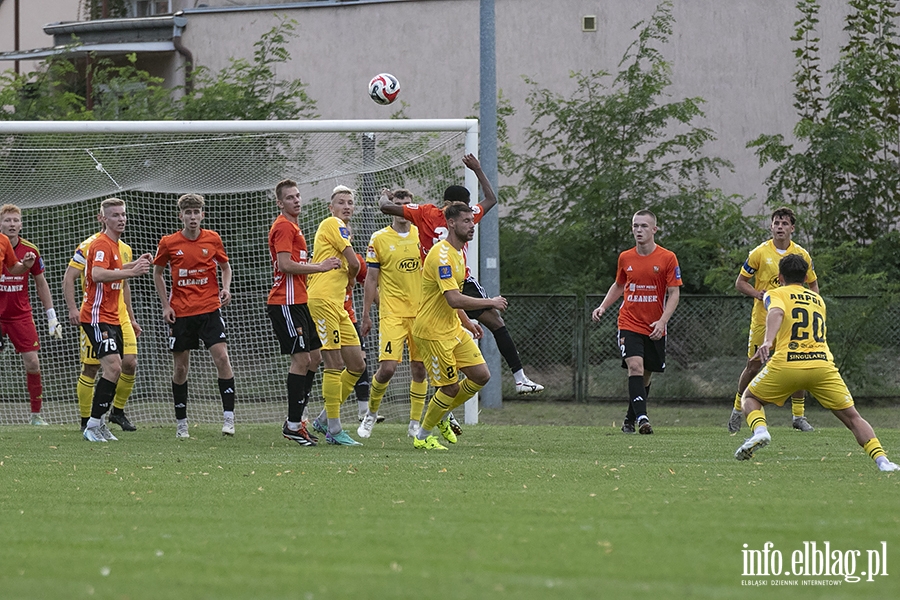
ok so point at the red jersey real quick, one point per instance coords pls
(14, 301)
(101, 300)
(195, 282)
(285, 236)
(360, 278)
(432, 224)
(645, 279)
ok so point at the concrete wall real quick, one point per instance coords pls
(737, 55)
(33, 15)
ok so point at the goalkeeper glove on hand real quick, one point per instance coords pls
(53, 325)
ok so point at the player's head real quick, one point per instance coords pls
(10, 220)
(456, 193)
(341, 205)
(112, 214)
(401, 197)
(190, 211)
(792, 269)
(783, 221)
(643, 226)
(287, 196)
(460, 221)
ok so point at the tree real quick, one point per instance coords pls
(615, 146)
(844, 172)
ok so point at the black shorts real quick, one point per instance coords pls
(293, 327)
(186, 332)
(472, 288)
(637, 344)
(105, 339)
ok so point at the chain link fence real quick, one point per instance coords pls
(577, 359)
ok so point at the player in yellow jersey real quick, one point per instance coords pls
(761, 267)
(446, 347)
(340, 342)
(797, 357)
(90, 364)
(394, 281)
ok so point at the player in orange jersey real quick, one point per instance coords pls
(192, 308)
(104, 275)
(16, 320)
(648, 279)
(287, 308)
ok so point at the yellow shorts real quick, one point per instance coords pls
(757, 335)
(444, 358)
(129, 345)
(776, 382)
(333, 324)
(392, 333)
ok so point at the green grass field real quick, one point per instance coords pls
(517, 511)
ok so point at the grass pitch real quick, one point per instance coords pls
(517, 511)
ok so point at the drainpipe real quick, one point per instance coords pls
(180, 23)
(16, 30)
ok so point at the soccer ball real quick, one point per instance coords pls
(384, 88)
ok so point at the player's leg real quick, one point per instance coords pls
(492, 320)
(293, 328)
(443, 373)
(181, 361)
(35, 386)
(362, 387)
(380, 381)
(774, 387)
(752, 367)
(126, 379)
(418, 392)
(219, 353)
(90, 364)
(832, 393)
(798, 412)
(107, 343)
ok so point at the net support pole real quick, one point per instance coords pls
(471, 183)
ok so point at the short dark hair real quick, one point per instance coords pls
(783, 212)
(403, 193)
(284, 183)
(455, 209)
(793, 268)
(456, 193)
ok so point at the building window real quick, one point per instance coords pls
(589, 23)
(149, 8)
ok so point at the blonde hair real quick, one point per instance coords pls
(191, 201)
(10, 208)
(110, 202)
(342, 189)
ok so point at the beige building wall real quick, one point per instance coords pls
(33, 15)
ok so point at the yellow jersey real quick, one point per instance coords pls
(444, 270)
(800, 342)
(396, 256)
(79, 261)
(332, 238)
(762, 266)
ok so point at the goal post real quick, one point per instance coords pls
(58, 172)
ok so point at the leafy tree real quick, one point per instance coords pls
(844, 171)
(615, 146)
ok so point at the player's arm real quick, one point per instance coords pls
(292, 267)
(387, 206)
(458, 300)
(43, 291)
(673, 295)
(370, 296)
(614, 292)
(69, 278)
(159, 282)
(490, 199)
(22, 266)
(774, 319)
(352, 265)
(471, 326)
(139, 267)
(225, 292)
(814, 286)
(743, 285)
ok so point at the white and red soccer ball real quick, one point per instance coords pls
(384, 88)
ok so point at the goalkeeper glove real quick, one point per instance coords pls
(53, 326)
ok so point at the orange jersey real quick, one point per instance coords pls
(645, 279)
(7, 254)
(361, 279)
(14, 301)
(195, 281)
(431, 223)
(101, 300)
(285, 236)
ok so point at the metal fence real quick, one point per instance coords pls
(577, 359)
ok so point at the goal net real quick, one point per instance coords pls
(58, 173)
